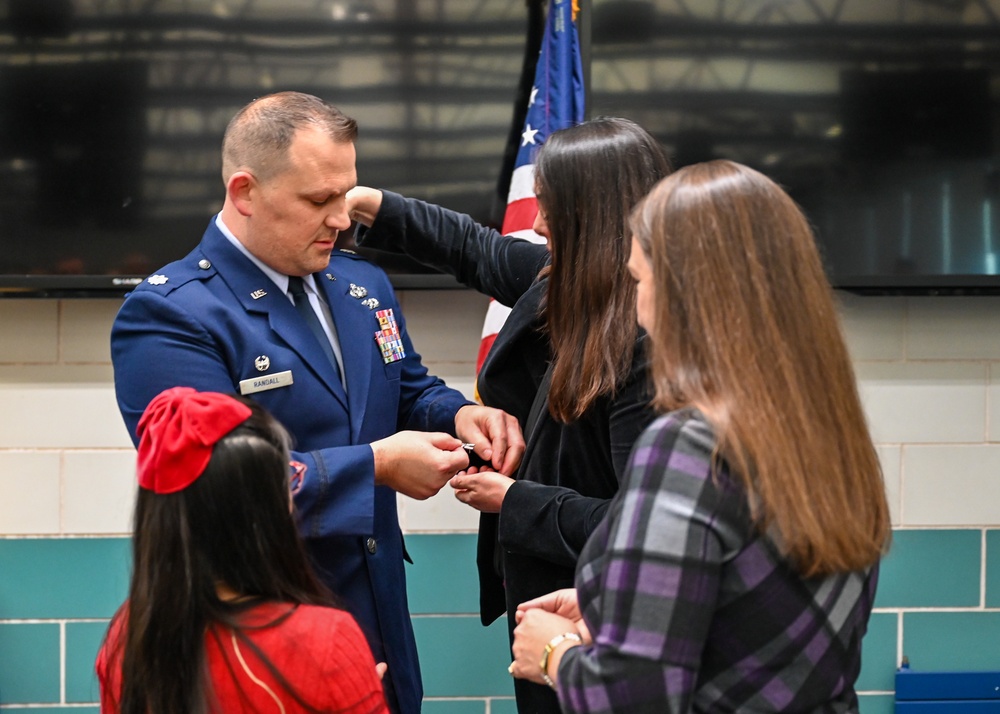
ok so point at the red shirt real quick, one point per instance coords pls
(320, 651)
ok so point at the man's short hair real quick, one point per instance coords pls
(258, 137)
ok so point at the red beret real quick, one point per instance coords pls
(177, 433)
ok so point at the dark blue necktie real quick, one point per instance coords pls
(297, 289)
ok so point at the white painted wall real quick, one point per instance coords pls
(928, 369)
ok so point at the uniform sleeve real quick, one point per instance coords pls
(554, 522)
(156, 344)
(478, 257)
(648, 596)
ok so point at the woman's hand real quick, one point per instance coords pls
(483, 490)
(561, 602)
(363, 204)
(536, 629)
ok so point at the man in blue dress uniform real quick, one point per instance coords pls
(265, 306)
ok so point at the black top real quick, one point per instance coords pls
(570, 471)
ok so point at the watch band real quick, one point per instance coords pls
(550, 648)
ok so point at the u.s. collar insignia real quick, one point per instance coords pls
(258, 293)
(357, 291)
(262, 363)
(156, 279)
(370, 303)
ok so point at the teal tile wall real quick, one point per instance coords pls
(932, 568)
(443, 577)
(876, 704)
(29, 663)
(503, 706)
(952, 640)
(465, 664)
(461, 658)
(878, 653)
(452, 706)
(81, 577)
(83, 640)
(993, 568)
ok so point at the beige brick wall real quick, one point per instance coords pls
(928, 369)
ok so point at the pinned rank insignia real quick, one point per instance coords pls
(389, 342)
(156, 279)
(358, 291)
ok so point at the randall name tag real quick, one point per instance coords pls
(263, 383)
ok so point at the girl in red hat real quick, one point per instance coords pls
(224, 612)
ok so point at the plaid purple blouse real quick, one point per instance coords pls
(692, 611)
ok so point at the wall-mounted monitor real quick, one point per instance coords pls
(881, 117)
(112, 115)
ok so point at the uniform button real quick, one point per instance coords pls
(204, 264)
(372, 546)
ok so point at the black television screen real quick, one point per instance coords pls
(881, 118)
(112, 114)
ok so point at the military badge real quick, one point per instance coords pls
(388, 339)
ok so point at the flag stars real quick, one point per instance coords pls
(534, 95)
(528, 135)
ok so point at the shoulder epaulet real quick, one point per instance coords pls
(348, 253)
(178, 273)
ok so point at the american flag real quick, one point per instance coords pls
(556, 102)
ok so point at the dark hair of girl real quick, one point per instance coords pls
(588, 178)
(231, 527)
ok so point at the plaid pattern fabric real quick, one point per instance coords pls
(692, 609)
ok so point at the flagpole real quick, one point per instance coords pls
(583, 29)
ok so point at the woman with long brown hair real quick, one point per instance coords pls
(737, 567)
(569, 362)
(224, 612)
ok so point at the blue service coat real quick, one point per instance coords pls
(212, 320)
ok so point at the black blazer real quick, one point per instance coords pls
(570, 471)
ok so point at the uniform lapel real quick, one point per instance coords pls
(355, 325)
(258, 294)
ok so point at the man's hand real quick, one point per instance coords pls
(496, 434)
(418, 463)
(483, 490)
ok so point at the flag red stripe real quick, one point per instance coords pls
(520, 215)
(484, 348)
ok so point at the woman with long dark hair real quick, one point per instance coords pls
(224, 612)
(568, 363)
(736, 569)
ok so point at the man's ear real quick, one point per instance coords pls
(240, 189)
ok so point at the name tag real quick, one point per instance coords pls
(263, 383)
